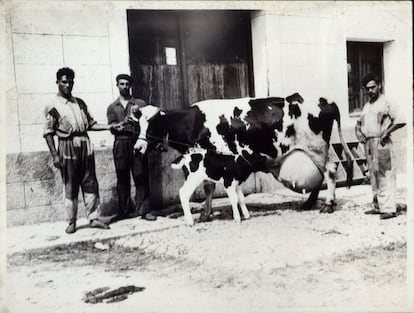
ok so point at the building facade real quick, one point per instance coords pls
(314, 48)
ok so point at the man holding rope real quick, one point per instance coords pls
(126, 159)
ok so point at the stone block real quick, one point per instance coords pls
(31, 107)
(43, 192)
(105, 163)
(80, 21)
(36, 78)
(98, 104)
(13, 140)
(35, 215)
(11, 107)
(101, 140)
(92, 79)
(31, 137)
(15, 196)
(107, 181)
(24, 167)
(37, 49)
(95, 50)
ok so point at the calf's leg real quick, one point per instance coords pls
(232, 193)
(206, 212)
(242, 203)
(186, 190)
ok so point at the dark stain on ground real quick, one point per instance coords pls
(103, 294)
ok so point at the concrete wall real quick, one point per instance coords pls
(302, 47)
(297, 46)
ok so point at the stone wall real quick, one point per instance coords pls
(34, 187)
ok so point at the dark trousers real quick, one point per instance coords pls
(126, 162)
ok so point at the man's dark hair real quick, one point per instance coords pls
(65, 71)
(370, 77)
(123, 76)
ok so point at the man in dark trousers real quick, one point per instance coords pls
(126, 159)
(68, 118)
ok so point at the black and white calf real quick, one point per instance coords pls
(227, 140)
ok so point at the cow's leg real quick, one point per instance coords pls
(209, 188)
(186, 190)
(330, 176)
(313, 197)
(242, 203)
(232, 193)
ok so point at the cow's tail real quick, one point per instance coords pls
(178, 163)
(349, 168)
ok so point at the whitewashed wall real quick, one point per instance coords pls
(297, 46)
(88, 38)
(302, 47)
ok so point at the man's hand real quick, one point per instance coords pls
(117, 127)
(384, 138)
(141, 146)
(56, 161)
(359, 134)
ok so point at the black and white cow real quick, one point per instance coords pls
(227, 140)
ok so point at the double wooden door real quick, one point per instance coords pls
(179, 58)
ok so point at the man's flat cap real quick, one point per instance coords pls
(123, 76)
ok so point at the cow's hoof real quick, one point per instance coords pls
(327, 208)
(246, 217)
(237, 220)
(306, 207)
(204, 218)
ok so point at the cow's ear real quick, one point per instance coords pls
(323, 101)
(295, 97)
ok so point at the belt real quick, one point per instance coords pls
(124, 137)
(73, 135)
(78, 134)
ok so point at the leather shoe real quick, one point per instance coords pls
(373, 211)
(385, 216)
(149, 217)
(71, 228)
(98, 224)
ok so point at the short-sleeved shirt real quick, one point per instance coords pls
(377, 116)
(116, 113)
(64, 117)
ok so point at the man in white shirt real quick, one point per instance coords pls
(374, 128)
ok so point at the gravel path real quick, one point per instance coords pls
(280, 259)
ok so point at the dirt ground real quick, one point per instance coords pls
(280, 259)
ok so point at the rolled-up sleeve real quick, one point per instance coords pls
(49, 121)
(395, 113)
(91, 120)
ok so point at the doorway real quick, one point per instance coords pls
(178, 58)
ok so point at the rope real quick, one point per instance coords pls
(190, 146)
